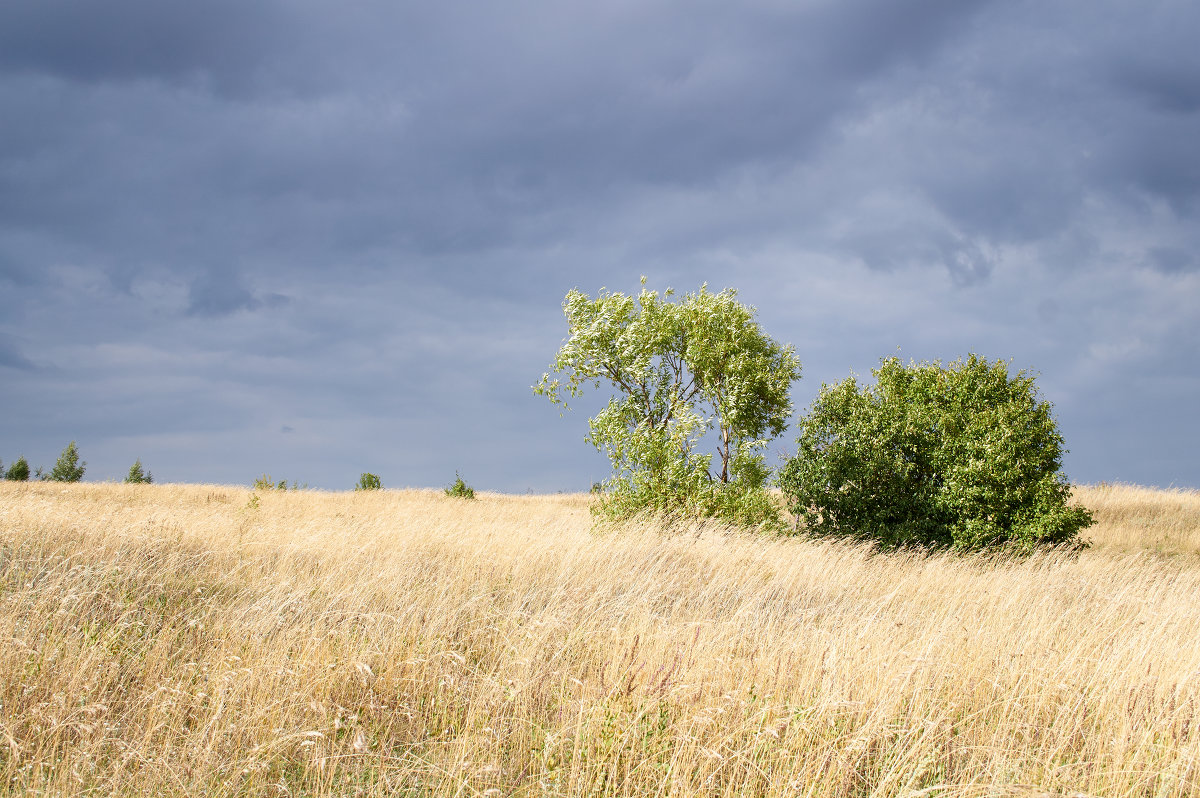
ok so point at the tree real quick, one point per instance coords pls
(963, 456)
(138, 477)
(68, 468)
(368, 481)
(18, 471)
(682, 370)
(459, 489)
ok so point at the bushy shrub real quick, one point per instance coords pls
(68, 468)
(368, 482)
(137, 476)
(18, 471)
(459, 489)
(963, 456)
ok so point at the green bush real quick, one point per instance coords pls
(137, 476)
(68, 468)
(962, 456)
(460, 489)
(368, 482)
(18, 471)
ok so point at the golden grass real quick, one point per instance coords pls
(189, 640)
(1134, 519)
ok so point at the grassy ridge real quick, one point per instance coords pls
(183, 640)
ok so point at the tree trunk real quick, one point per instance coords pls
(724, 454)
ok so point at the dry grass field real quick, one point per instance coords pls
(198, 640)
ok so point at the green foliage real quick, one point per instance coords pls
(963, 456)
(460, 489)
(68, 468)
(265, 482)
(18, 471)
(137, 476)
(368, 481)
(681, 369)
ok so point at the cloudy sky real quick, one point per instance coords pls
(316, 239)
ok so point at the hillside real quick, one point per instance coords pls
(187, 640)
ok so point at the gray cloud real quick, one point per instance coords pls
(131, 40)
(358, 223)
(11, 357)
(1172, 260)
(218, 293)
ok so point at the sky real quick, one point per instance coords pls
(320, 239)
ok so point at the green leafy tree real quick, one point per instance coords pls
(137, 476)
(18, 471)
(964, 456)
(368, 482)
(459, 489)
(68, 468)
(682, 370)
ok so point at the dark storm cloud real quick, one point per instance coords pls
(225, 220)
(430, 134)
(660, 93)
(1163, 83)
(136, 39)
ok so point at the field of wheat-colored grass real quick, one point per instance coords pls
(203, 640)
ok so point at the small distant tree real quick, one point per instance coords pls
(963, 456)
(137, 476)
(459, 489)
(682, 370)
(368, 481)
(68, 468)
(265, 482)
(18, 471)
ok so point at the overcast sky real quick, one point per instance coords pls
(316, 239)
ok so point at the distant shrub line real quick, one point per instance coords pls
(68, 468)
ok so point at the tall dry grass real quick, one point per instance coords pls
(186, 640)
(1143, 519)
